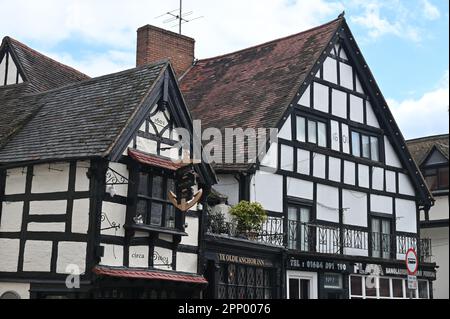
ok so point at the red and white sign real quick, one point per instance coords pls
(412, 262)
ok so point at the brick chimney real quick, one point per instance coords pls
(154, 44)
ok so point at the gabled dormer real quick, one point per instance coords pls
(19, 63)
(10, 70)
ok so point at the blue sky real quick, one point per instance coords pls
(405, 42)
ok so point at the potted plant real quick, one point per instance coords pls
(249, 218)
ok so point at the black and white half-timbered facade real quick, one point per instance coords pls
(341, 189)
(85, 170)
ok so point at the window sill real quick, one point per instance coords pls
(155, 229)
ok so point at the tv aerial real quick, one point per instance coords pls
(179, 16)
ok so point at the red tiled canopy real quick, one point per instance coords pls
(153, 160)
(149, 274)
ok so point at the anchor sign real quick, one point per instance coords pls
(185, 205)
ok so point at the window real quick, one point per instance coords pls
(299, 217)
(244, 282)
(311, 131)
(152, 203)
(423, 289)
(381, 237)
(366, 146)
(436, 178)
(384, 288)
(301, 285)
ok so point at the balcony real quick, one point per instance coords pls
(323, 239)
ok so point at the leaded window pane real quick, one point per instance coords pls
(157, 187)
(156, 214)
(143, 183)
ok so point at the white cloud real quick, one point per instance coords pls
(430, 11)
(426, 115)
(386, 18)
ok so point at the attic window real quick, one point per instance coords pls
(436, 178)
(9, 73)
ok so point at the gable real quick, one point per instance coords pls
(341, 87)
(9, 70)
(435, 158)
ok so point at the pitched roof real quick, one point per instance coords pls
(252, 88)
(42, 72)
(420, 148)
(83, 119)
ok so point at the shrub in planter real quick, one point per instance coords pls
(249, 217)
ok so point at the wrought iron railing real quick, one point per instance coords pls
(310, 237)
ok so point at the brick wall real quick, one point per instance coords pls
(154, 44)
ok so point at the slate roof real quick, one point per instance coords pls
(252, 88)
(41, 72)
(82, 119)
(420, 148)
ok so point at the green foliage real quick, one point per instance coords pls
(249, 216)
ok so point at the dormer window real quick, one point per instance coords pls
(436, 178)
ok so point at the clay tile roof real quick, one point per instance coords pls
(153, 160)
(41, 71)
(252, 88)
(421, 147)
(149, 274)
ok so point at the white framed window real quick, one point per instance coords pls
(301, 285)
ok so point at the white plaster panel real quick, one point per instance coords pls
(330, 70)
(166, 237)
(192, 231)
(121, 190)
(12, 72)
(15, 180)
(287, 158)
(113, 255)
(115, 213)
(381, 204)
(11, 217)
(271, 157)
(406, 214)
(440, 210)
(138, 256)
(378, 178)
(319, 165)
(339, 103)
(371, 117)
(363, 176)
(229, 186)
(2, 69)
(358, 252)
(356, 204)
(22, 289)
(349, 173)
(356, 109)
(391, 181)
(391, 156)
(404, 185)
(334, 171)
(303, 159)
(71, 258)
(81, 179)
(335, 136)
(346, 75)
(46, 227)
(267, 189)
(321, 97)
(359, 88)
(162, 257)
(286, 130)
(345, 139)
(9, 254)
(50, 178)
(50, 207)
(300, 188)
(187, 262)
(37, 255)
(327, 203)
(80, 216)
(305, 100)
(146, 145)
